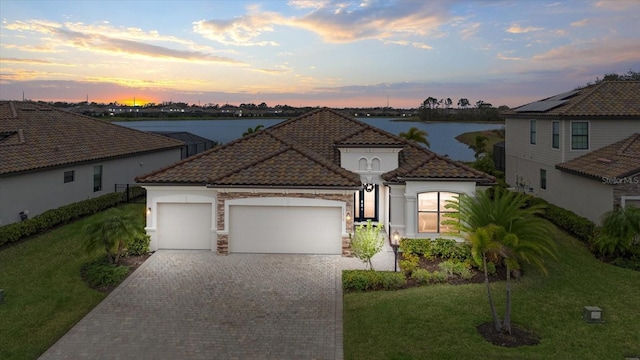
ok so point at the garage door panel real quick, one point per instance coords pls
(285, 229)
(184, 226)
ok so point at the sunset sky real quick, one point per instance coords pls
(312, 53)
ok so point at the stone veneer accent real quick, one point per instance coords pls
(631, 187)
(223, 240)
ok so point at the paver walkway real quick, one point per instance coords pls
(197, 305)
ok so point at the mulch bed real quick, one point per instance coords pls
(431, 264)
(518, 336)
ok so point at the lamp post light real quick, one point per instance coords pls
(395, 243)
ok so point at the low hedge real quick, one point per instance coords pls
(363, 280)
(574, 224)
(54, 217)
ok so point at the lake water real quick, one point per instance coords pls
(441, 135)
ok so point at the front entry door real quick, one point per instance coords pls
(366, 203)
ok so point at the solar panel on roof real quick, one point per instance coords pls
(540, 106)
(563, 96)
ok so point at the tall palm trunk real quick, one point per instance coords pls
(494, 313)
(506, 325)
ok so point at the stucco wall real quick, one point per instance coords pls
(407, 225)
(37, 192)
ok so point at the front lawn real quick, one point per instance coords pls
(44, 292)
(439, 321)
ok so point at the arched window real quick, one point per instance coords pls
(431, 211)
(362, 164)
(375, 164)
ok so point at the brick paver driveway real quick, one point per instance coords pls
(197, 305)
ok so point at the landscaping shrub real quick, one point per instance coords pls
(439, 277)
(456, 268)
(409, 263)
(52, 218)
(451, 249)
(420, 247)
(139, 245)
(101, 273)
(491, 268)
(422, 276)
(362, 280)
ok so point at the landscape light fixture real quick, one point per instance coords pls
(592, 314)
(395, 243)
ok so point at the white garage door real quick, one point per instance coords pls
(184, 226)
(285, 229)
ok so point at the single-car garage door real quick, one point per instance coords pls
(285, 229)
(184, 226)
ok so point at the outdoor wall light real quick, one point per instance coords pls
(348, 216)
(148, 211)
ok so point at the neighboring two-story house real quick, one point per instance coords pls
(50, 158)
(579, 150)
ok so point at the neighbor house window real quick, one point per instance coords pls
(97, 178)
(366, 203)
(555, 135)
(69, 176)
(579, 135)
(543, 179)
(432, 211)
(532, 131)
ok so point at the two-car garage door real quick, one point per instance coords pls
(253, 228)
(285, 229)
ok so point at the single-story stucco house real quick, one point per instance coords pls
(300, 187)
(50, 157)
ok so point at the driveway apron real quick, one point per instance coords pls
(198, 305)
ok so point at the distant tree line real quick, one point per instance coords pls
(433, 109)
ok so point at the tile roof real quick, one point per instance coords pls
(618, 160)
(615, 99)
(36, 136)
(303, 152)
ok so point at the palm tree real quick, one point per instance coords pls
(417, 135)
(252, 130)
(113, 234)
(516, 232)
(480, 146)
(483, 242)
(620, 231)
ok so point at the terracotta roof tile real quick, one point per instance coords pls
(617, 160)
(605, 99)
(302, 152)
(38, 136)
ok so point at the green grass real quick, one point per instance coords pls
(44, 293)
(439, 321)
(469, 138)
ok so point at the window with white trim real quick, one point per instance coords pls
(432, 210)
(555, 134)
(97, 178)
(532, 132)
(579, 135)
